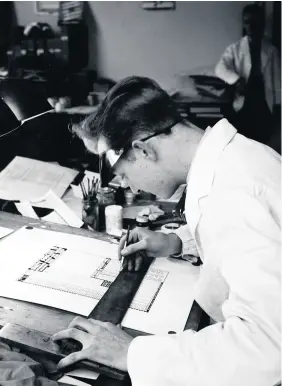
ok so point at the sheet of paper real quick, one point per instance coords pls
(62, 209)
(5, 231)
(73, 272)
(26, 209)
(61, 214)
(83, 373)
(25, 179)
(66, 379)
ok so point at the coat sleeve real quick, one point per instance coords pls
(226, 67)
(188, 243)
(244, 349)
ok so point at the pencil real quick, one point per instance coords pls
(125, 245)
(83, 190)
(88, 183)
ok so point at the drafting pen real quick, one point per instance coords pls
(125, 245)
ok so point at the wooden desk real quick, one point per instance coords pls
(51, 320)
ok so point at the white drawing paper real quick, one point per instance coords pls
(73, 272)
(5, 231)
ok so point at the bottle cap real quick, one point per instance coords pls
(142, 221)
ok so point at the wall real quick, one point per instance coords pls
(160, 44)
(25, 12)
(126, 40)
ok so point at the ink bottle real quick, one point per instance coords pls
(90, 213)
(106, 197)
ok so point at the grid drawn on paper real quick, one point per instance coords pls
(65, 287)
(102, 277)
(147, 292)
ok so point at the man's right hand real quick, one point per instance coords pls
(143, 242)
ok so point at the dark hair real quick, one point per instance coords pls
(134, 105)
(254, 10)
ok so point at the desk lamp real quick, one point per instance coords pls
(24, 99)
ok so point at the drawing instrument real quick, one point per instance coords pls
(88, 186)
(83, 190)
(125, 245)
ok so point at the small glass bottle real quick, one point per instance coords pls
(106, 197)
(90, 213)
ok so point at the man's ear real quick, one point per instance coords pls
(145, 150)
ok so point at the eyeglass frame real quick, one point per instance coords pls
(126, 148)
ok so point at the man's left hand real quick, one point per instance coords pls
(101, 342)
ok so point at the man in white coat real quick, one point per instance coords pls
(232, 207)
(252, 65)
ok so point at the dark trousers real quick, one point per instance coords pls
(255, 119)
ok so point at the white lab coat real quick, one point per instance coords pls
(236, 63)
(232, 208)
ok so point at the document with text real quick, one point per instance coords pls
(26, 179)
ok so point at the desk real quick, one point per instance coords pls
(50, 320)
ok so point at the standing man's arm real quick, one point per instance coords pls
(226, 67)
(245, 349)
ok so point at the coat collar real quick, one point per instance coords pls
(201, 175)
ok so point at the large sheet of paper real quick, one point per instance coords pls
(25, 179)
(73, 272)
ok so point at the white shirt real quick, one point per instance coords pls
(232, 208)
(235, 63)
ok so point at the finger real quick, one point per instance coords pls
(125, 263)
(133, 248)
(70, 333)
(138, 262)
(121, 246)
(130, 265)
(47, 364)
(71, 359)
(98, 323)
(80, 323)
(133, 238)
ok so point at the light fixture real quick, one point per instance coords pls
(25, 99)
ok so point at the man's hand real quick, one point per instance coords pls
(101, 342)
(143, 242)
